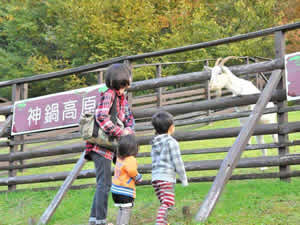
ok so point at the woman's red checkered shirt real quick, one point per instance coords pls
(103, 119)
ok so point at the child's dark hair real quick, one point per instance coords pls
(117, 76)
(162, 121)
(127, 146)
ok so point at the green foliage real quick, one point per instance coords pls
(44, 36)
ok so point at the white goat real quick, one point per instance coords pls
(222, 77)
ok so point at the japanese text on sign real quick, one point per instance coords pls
(54, 111)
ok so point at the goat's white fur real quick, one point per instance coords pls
(222, 77)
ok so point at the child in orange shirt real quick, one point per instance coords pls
(125, 178)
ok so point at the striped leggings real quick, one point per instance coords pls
(165, 193)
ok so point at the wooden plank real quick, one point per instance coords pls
(189, 115)
(159, 95)
(62, 191)
(190, 78)
(129, 94)
(144, 100)
(248, 176)
(4, 144)
(23, 95)
(179, 98)
(40, 164)
(234, 154)
(147, 125)
(282, 117)
(100, 78)
(215, 104)
(207, 90)
(203, 165)
(184, 93)
(147, 154)
(58, 150)
(181, 89)
(190, 179)
(184, 100)
(144, 154)
(143, 107)
(214, 118)
(226, 149)
(38, 139)
(16, 95)
(6, 110)
(144, 140)
(205, 75)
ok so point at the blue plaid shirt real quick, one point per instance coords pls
(166, 160)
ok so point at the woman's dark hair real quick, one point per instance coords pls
(127, 146)
(117, 76)
(162, 121)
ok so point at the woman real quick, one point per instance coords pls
(117, 79)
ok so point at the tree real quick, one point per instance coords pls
(40, 36)
(290, 11)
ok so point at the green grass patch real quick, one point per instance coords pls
(242, 202)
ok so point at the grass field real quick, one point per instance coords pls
(261, 202)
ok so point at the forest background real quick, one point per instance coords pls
(42, 36)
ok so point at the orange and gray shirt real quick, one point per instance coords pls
(125, 177)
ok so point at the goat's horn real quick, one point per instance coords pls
(226, 59)
(218, 61)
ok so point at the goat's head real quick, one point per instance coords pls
(219, 75)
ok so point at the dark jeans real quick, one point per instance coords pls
(103, 179)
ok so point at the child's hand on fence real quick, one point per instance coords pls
(138, 178)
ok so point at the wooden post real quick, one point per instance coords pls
(207, 90)
(16, 94)
(256, 77)
(282, 117)
(159, 90)
(100, 77)
(235, 152)
(62, 191)
(129, 94)
(23, 95)
(247, 62)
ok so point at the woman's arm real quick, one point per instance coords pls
(129, 120)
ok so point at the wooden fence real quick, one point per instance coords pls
(193, 110)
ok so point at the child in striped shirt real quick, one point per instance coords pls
(125, 177)
(166, 162)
